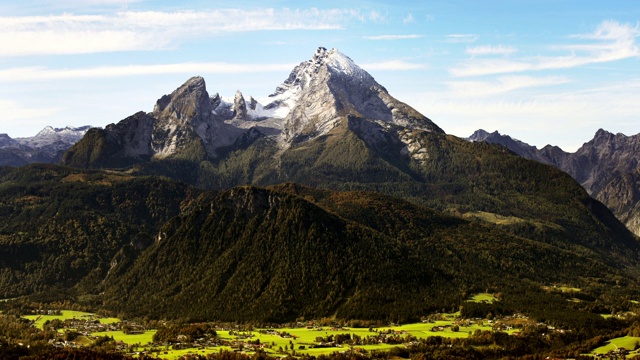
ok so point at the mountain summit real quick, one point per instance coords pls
(329, 86)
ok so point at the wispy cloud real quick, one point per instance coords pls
(462, 38)
(393, 37)
(151, 30)
(44, 74)
(393, 65)
(501, 85)
(611, 41)
(408, 19)
(491, 50)
(377, 17)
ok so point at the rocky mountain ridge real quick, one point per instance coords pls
(607, 167)
(47, 146)
(318, 96)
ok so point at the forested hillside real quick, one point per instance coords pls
(63, 228)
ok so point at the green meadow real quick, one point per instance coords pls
(65, 315)
(129, 339)
(483, 297)
(627, 342)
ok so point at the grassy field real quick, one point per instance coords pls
(141, 339)
(64, 315)
(486, 297)
(627, 342)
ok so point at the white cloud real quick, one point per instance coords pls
(376, 17)
(501, 85)
(462, 38)
(613, 30)
(491, 50)
(408, 19)
(614, 41)
(151, 30)
(393, 37)
(44, 74)
(393, 65)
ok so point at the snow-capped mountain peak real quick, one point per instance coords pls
(340, 63)
(49, 135)
(46, 146)
(302, 76)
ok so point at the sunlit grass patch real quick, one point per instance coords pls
(483, 297)
(64, 315)
(627, 342)
(129, 339)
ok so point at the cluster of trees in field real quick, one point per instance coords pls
(170, 333)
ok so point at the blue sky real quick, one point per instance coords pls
(545, 72)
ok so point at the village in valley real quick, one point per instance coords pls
(170, 340)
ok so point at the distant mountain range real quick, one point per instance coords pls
(608, 167)
(47, 146)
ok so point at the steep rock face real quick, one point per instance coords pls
(183, 125)
(182, 117)
(607, 167)
(240, 107)
(133, 134)
(606, 156)
(117, 145)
